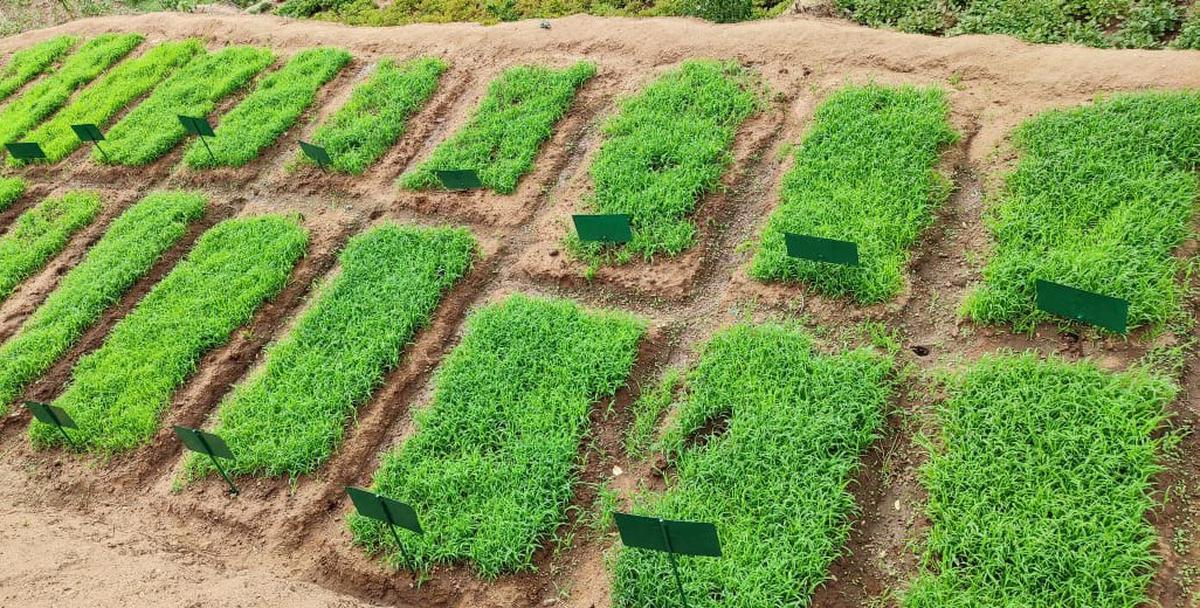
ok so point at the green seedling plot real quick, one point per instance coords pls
(1100, 198)
(270, 110)
(100, 102)
(130, 246)
(11, 189)
(152, 129)
(666, 148)
(27, 64)
(494, 459)
(48, 95)
(502, 138)
(1039, 486)
(290, 417)
(377, 113)
(865, 174)
(40, 233)
(774, 481)
(118, 393)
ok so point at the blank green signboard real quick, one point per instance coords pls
(197, 126)
(459, 179)
(382, 508)
(50, 414)
(1085, 306)
(821, 249)
(205, 443)
(613, 228)
(88, 132)
(684, 537)
(315, 152)
(26, 150)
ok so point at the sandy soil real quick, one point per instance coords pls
(79, 531)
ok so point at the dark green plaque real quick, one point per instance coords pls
(26, 150)
(54, 416)
(210, 445)
(315, 152)
(820, 249)
(391, 512)
(671, 537)
(459, 179)
(613, 228)
(1084, 306)
(88, 132)
(197, 126)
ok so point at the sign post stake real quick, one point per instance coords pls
(199, 127)
(210, 445)
(53, 416)
(391, 512)
(662, 526)
(90, 132)
(232, 488)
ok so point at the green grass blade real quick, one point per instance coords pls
(40, 233)
(27, 64)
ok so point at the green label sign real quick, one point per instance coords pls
(315, 152)
(1084, 306)
(613, 228)
(197, 126)
(820, 249)
(680, 537)
(26, 150)
(88, 132)
(382, 508)
(210, 445)
(50, 414)
(459, 179)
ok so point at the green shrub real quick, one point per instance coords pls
(865, 173)
(773, 478)
(47, 96)
(1100, 198)
(1039, 485)
(40, 233)
(26, 64)
(666, 148)
(377, 113)
(1148, 23)
(503, 136)
(130, 246)
(720, 11)
(271, 109)
(118, 393)
(288, 418)
(152, 128)
(100, 102)
(11, 189)
(493, 461)
(1189, 32)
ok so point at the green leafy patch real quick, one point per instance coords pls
(11, 189)
(27, 64)
(40, 233)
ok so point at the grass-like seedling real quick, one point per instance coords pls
(47, 96)
(271, 109)
(152, 128)
(40, 233)
(664, 150)
(130, 246)
(1100, 198)
(377, 113)
(288, 418)
(26, 64)
(767, 439)
(865, 173)
(647, 410)
(502, 138)
(118, 393)
(11, 189)
(1039, 485)
(494, 459)
(102, 101)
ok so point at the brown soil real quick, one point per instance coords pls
(119, 532)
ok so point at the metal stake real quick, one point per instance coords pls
(674, 563)
(208, 449)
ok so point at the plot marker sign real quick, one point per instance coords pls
(54, 416)
(391, 512)
(317, 153)
(820, 249)
(90, 132)
(1084, 306)
(200, 128)
(26, 150)
(459, 179)
(614, 228)
(671, 537)
(210, 445)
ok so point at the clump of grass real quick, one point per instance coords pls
(368, 12)
(100, 102)
(1189, 31)
(1100, 197)
(502, 138)
(647, 410)
(866, 173)
(40, 233)
(152, 128)
(377, 113)
(666, 148)
(11, 189)
(1039, 485)
(493, 462)
(26, 64)
(118, 393)
(130, 246)
(47, 96)
(271, 109)
(773, 481)
(288, 418)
